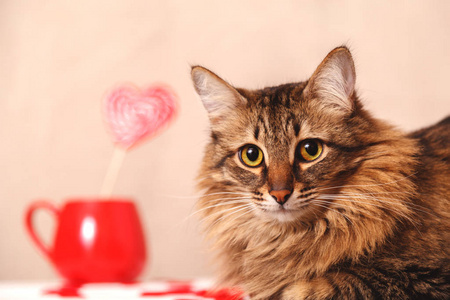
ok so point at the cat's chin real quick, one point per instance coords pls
(282, 215)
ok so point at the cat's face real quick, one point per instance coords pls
(282, 148)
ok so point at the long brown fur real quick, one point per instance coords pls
(370, 217)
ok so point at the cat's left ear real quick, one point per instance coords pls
(333, 82)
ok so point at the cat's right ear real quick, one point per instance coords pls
(218, 96)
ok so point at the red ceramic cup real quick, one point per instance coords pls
(96, 240)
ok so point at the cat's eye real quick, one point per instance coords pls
(251, 156)
(309, 150)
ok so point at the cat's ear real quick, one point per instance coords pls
(333, 82)
(218, 96)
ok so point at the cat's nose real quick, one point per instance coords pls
(281, 196)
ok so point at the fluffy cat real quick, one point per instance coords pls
(307, 196)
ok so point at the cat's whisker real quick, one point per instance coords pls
(222, 202)
(227, 193)
(224, 212)
(248, 207)
(360, 209)
(395, 201)
(357, 197)
(227, 201)
(204, 195)
(233, 201)
(397, 211)
(378, 193)
(411, 205)
(366, 185)
(363, 209)
(227, 198)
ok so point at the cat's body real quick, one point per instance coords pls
(307, 196)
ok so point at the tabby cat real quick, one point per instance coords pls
(307, 196)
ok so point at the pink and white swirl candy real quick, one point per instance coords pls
(133, 114)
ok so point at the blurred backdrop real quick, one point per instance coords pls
(57, 59)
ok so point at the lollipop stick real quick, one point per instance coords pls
(113, 172)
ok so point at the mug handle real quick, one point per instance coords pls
(29, 223)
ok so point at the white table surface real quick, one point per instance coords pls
(111, 291)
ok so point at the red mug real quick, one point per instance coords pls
(96, 240)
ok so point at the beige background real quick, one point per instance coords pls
(57, 59)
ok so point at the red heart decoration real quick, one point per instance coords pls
(133, 114)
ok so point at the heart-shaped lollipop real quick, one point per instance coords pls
(134, 114)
